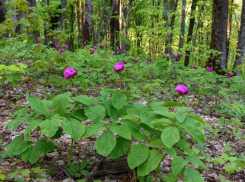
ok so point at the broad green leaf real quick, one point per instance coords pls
(118, 101)
(95, 113)
(94, 128)
(167, 114)
(219, 161)
(78, 114)
(162, 121)
(181, 115)
(45, 146)
(230, 168)
(73, 128)
(38, 105)
(13, 145)
(31, 125)
(132, 126)
(196, 117)
(137, 155)
(50, 126)
(178, 164)
(151, 163)
(193, 175)
(105, 143)
(60, 103)
(156, 142)
(122, 146)
(84, 99)
(31, 154)
(25, 173)
(170, 136)
(198, 135)
(22, 147)
(13, 124)
(172, 104)
(196, 160)
(120, 130)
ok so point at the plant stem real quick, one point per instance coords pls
(70, 151)
(120, 80)
(135, 179)
(158, 168)
(74, 87)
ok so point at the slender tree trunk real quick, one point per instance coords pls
(121, 17)
(3, 10)
(100, 23)
(126, 25)
(241, 42)
(219, 36)
(87, 23)
(109, 19)
(182, 30)
(175, 5)
(190, 32)
(114, 26)
(168, 49)
(63, 14)
(72, 19)
(229, 26)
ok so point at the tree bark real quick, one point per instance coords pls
(2, 10)
(241, 42)
(100, 23)
(114, 26)
(190, 32)
(87, 24)
(126, 25)
(63, 14)
(175, 5)
(219, 36)
(121, 17)
(182, 29)
(168, 49)
(109, 19)
(229, 26)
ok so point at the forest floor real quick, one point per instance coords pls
(99, 167)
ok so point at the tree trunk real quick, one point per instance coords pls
(229, 26)
(126, 25)
(114, 26)
(72, 19)
(109, 19)
(121, 17)
(190, 32)
(63, 14)
(182, 30)
(219, 36)
(175, 4)
(2, 10)
(100, 23)
(87, 24)
(168, 49)
(241, 42)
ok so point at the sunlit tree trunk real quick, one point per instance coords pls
(229, 25)
(241, 41)
(121, 17)
(190, 32)
(173, 10)
(100, 23)
(87, 23)
(126, 25)
(219, 36)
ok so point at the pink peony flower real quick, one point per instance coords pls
(117, 49)
(147, 62)
(175, 56)
(229, 75)
(95, 47)
(57, 46)
(209, 69)
(119, 67)
(11, 36)
(136, 61)
(89, 71)
(61, 51)
(102, 46)
(85, 43)
(29, 84)
(181, 89)
(149, 57)
(195, 67)
(69, 73)
(38, 39)
(65, 46)
(91, 51)
(20, 37)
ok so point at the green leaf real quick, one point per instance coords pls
(181, 115)
(172, 104)
(178, 164)
(31, 125)
(137, 155)
(45, 146)
(219, 161)
(170, 136)
(25, 173)
(230, 168)
(105, 143)
(13, 124)
(118, 101)
(38, 170)
(94, 128)
(50, 126)
(193, 175)
(156, 143)
(198, 135)
(38, 105)
(120, 130)
(196, 160)
(13, 145)
(151, 163)
(31, 154)
(22, 147)
(73, 128)
(60, 103)
(196, 117)
(95, 113)
(122, 146)
(78, 114)
(84, 99)
(83, 164)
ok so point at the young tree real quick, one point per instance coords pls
(241, 41)
(219, 36)
(182, 30)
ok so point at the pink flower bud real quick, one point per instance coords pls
(229, 75)
(65, 46)
(69, 73)
(91, 51)
(147, 62)
(95, 47)
(119, 67)
(85, 43)
(181, 89)
(29, 84)
(57, 46)
(89, 71)
(61, 51)
(195, 67)
(136, 61)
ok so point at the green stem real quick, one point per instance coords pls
(158, 168)
(135, 179)
(120, 80)
(70, 151)
(74, 87)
